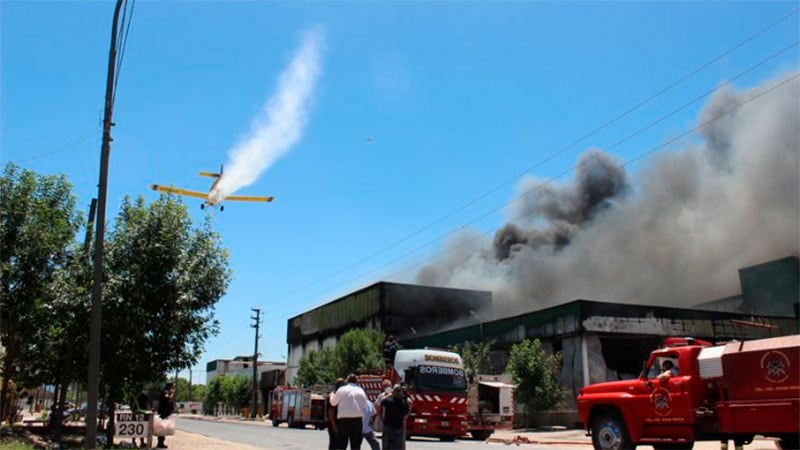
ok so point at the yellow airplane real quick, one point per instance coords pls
(209, 200)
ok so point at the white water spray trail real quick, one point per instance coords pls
(280, 124)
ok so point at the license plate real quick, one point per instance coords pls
(445, 424)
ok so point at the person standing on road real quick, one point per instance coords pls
(395, 409)
(141, 405)
(366, 426)
(386, 385)
(166, 406)
(331, 411)
(350, 401)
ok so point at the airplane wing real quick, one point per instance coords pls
(249, 198)
(172, 190)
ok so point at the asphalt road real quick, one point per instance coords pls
(260, 435)
(293, 439)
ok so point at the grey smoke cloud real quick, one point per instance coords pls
(674, 233)
(280, 124)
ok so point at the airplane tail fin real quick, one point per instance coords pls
(212, 174)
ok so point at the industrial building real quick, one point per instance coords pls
(602, 341)
(607, 341)
(402, 310)
(599, 341)
(770, 289)
(240, 365)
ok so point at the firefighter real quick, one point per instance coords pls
(389, 349)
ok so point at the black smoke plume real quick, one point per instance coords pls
(673, 233)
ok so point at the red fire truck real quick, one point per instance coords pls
(436, 386)
(723, 392)
(298, 407)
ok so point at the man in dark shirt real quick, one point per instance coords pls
(332, 428)
(166, 406)
(395, 410)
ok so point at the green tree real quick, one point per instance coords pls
(198, 393)
(238, 391)
(317, 367)
(359, 351)
(535, 372)
(186, 392)
(60, 359)
(163, 279)
(476, 357)
(214, 395)
(37, 224)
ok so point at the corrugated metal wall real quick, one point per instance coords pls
(349, 310)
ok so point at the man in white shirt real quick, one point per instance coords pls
(350, 401)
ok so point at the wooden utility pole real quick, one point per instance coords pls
(96, 319)
(254, 406)
(87, 241)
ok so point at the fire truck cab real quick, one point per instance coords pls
(436, 388)
(298, 407)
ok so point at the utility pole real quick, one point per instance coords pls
(93, 378)
(254, 408)
(87, 241)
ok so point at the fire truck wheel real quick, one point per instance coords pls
(788, 442)
(447, 438)
(480, 435)
(609, 433)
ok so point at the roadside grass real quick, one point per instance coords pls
(15, 445)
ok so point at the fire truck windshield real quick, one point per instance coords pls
(438, 378)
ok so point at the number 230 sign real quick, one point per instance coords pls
(132, 425)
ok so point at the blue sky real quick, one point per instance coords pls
(421, 109)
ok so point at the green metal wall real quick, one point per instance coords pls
(352, 309)
(771, 288)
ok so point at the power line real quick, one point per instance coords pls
(545, 183)
(553, 155)
(127, 19)
(625, 164)
(572, 168)
(62, 147)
